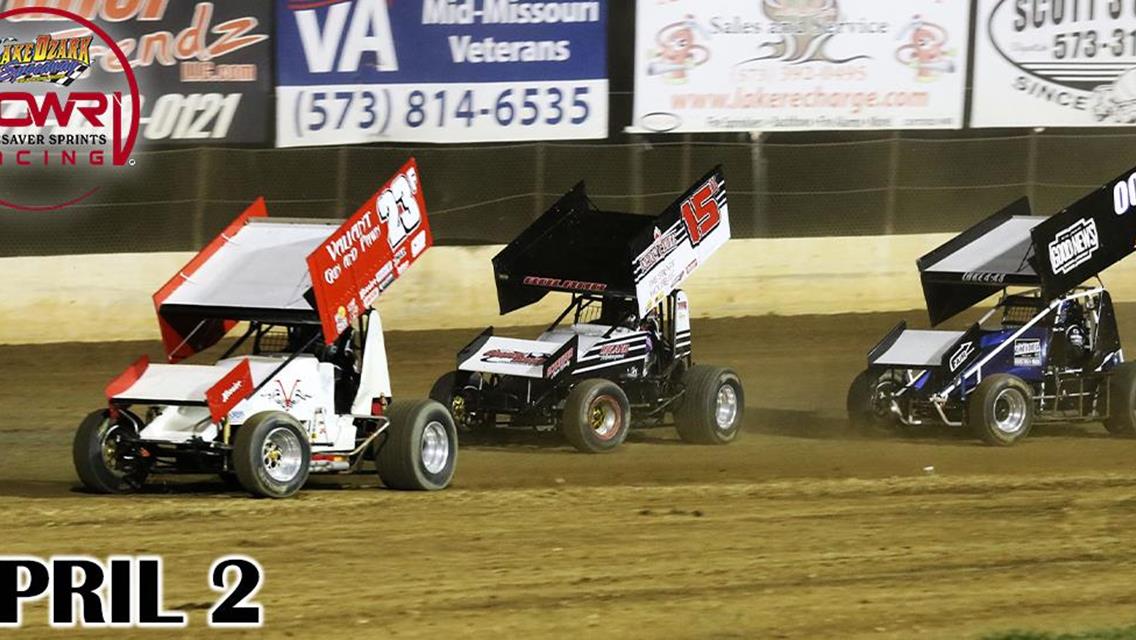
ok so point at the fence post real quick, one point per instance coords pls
(637, 173)
(759, 173)
(538, 181)
(686, 179)
(200, 196)
(893, 184)
(1031, 168)
(340, 182)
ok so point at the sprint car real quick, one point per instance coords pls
(1048, 351)
(305, 389)
(619, 356)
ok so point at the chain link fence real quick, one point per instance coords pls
(779, 186)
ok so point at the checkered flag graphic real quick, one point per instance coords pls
(73, 76)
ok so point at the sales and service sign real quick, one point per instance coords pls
(1055, 63)
(792, 65)
(351, 71)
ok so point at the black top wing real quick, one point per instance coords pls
(1086, 237)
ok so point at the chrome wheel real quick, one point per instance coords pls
(435, 447)
(1010, 411)
(457, 409)
(726, 410)
(882, 397)
(605, 417)
(111, 440)
(282, 454)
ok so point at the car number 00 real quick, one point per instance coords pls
(1122, 195)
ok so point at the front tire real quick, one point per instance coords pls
(597, 416)
(102, 454)
(1000, 410)
(271, 455)
(1122, 400)
(711, 410)
(419, 451)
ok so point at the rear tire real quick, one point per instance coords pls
(444, 392)
(865, 409)
(443, 389)
(99, 459)
(597, 416)
(711, 410)
(419, 450)
(1122, 400)
(271, 455)
(1000, 410)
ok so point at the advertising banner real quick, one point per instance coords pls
(1060, 63)
(203, 68)
(798, 65)
(351, 71)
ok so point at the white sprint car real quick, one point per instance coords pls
(305, 389)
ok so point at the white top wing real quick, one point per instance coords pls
(1002, 250)
(263, 266)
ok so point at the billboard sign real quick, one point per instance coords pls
(203, 68)
(798, 65)
(1049, 64)
(352, 71)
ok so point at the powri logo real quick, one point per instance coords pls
(46, 59)
(1073, 246)
(63, 141)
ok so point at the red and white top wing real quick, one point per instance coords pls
(370, 251)
(253, 270)
(262, 269)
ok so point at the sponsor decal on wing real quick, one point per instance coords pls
(1074, 246)
(513, 357)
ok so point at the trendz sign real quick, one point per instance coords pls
(51, 121)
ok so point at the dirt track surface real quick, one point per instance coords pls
(799, 530)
